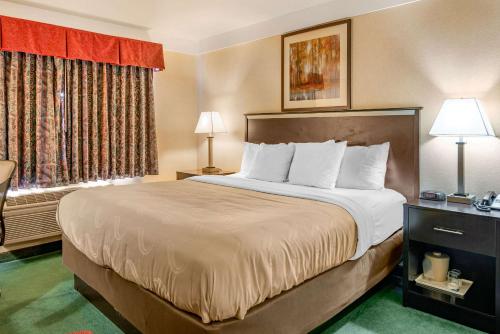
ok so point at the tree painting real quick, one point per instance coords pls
(315, 69)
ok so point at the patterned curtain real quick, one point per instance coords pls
(29, 116)
(68, 121)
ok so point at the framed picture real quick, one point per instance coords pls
(316, 68)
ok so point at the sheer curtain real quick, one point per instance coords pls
(68, 121)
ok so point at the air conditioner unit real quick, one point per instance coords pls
(32, 217)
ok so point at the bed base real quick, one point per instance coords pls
(114, 316)
(298, 310)
(102, 305)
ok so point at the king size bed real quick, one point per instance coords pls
(228, 254)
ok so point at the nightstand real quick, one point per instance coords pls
(181, 175)
(470, 238)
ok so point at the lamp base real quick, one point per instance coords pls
(461, 198)
(211, 170)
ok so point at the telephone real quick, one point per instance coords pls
(489, 201)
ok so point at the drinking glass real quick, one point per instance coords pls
(454, 279)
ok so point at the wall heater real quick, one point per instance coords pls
(32, 217)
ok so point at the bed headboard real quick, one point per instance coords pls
(398, 126)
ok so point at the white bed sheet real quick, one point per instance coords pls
(377, 213)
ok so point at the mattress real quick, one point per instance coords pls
(213, 249)
(377, 213)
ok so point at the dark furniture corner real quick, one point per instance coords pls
(181, 175)
(7, 169)
(470, 238)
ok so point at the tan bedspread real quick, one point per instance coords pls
(211, 250)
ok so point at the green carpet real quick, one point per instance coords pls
(38, 297)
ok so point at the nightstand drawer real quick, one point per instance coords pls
(465, 232)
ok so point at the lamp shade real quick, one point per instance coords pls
(461, 118)
(210, 122)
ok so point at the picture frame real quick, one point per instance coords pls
(316, 68)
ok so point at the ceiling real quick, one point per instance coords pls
(196, 21)
(187, 19)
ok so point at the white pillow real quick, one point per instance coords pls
(317, 164)
(272, 162)
(249, 153)
(364, 167)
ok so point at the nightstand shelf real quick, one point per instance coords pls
(474, 267)
(469, 237)
(443, 287)
(181, 175)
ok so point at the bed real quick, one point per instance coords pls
(232, 255)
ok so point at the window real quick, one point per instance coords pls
(68, 121)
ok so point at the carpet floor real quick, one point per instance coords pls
(38, 297)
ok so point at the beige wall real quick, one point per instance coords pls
(235, 81)
(412, 55)
(176, 114)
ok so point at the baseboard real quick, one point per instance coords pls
(28, 251)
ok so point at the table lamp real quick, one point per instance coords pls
(461, 118)
(210, 122)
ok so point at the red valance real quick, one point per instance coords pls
(50, 40)
(90, 46)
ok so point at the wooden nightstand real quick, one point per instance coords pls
(470, 238)
(181, 175)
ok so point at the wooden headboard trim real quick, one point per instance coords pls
(336, 111)
(398, 112)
